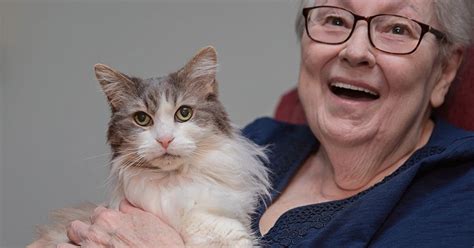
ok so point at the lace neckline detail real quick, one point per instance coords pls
(296, 223)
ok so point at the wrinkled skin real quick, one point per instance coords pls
(127, 227)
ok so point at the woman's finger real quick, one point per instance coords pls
(79, 232)
(107, 219)
(97, 211)
(126, 207)
(66, 245)
(76, 231)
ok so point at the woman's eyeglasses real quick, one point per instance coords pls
(389, 33)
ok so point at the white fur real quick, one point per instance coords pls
(221, 183)
(208, 193)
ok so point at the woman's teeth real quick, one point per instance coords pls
(351, 91)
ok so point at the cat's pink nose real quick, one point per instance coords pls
(165, 142)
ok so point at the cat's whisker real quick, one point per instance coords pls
(125, 161)
(134, 161)
(125, 166)
(135, 150)
(97, 156)
(130, 154)
(140, 162)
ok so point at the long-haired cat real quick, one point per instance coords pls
(176, 155)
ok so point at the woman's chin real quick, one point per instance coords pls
(346, 132)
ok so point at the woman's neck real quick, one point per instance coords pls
(346, 171)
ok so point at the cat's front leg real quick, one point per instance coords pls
(204, 229)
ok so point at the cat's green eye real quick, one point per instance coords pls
(184, 113)
(142, 119)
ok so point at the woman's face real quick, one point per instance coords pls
(406, 86)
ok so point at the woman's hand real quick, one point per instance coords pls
(129, 227)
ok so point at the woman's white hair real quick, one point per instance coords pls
(456, 18)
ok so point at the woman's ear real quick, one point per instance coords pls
(449, 69)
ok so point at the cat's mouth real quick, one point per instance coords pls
(167, 162)
(168, 156)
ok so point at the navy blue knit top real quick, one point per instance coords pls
(427, 202)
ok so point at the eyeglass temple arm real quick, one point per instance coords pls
(439, 35)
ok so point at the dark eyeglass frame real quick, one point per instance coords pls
(425, 28)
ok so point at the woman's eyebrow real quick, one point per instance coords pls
(395, 7)
(391, 7)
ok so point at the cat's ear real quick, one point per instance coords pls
(115, 85)
(200, 71)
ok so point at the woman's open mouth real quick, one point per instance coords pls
(352, 92)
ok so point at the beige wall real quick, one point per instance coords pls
(53, 116)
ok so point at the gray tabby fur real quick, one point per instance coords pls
(211, 181)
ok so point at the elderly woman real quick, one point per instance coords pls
(374, 167)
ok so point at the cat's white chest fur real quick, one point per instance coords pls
(172, 196)
(213, 195)
(164, 194)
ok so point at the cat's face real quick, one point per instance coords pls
(164, 122)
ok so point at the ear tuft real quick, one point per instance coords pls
(208, 52)
(115, 85)
(199, 74)
(203, 65)
(105, 74)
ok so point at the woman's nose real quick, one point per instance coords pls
(358, 51)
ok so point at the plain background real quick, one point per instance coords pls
(53, 116)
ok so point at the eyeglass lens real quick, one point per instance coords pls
(390, 33)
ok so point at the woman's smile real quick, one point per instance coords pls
(352, 91)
